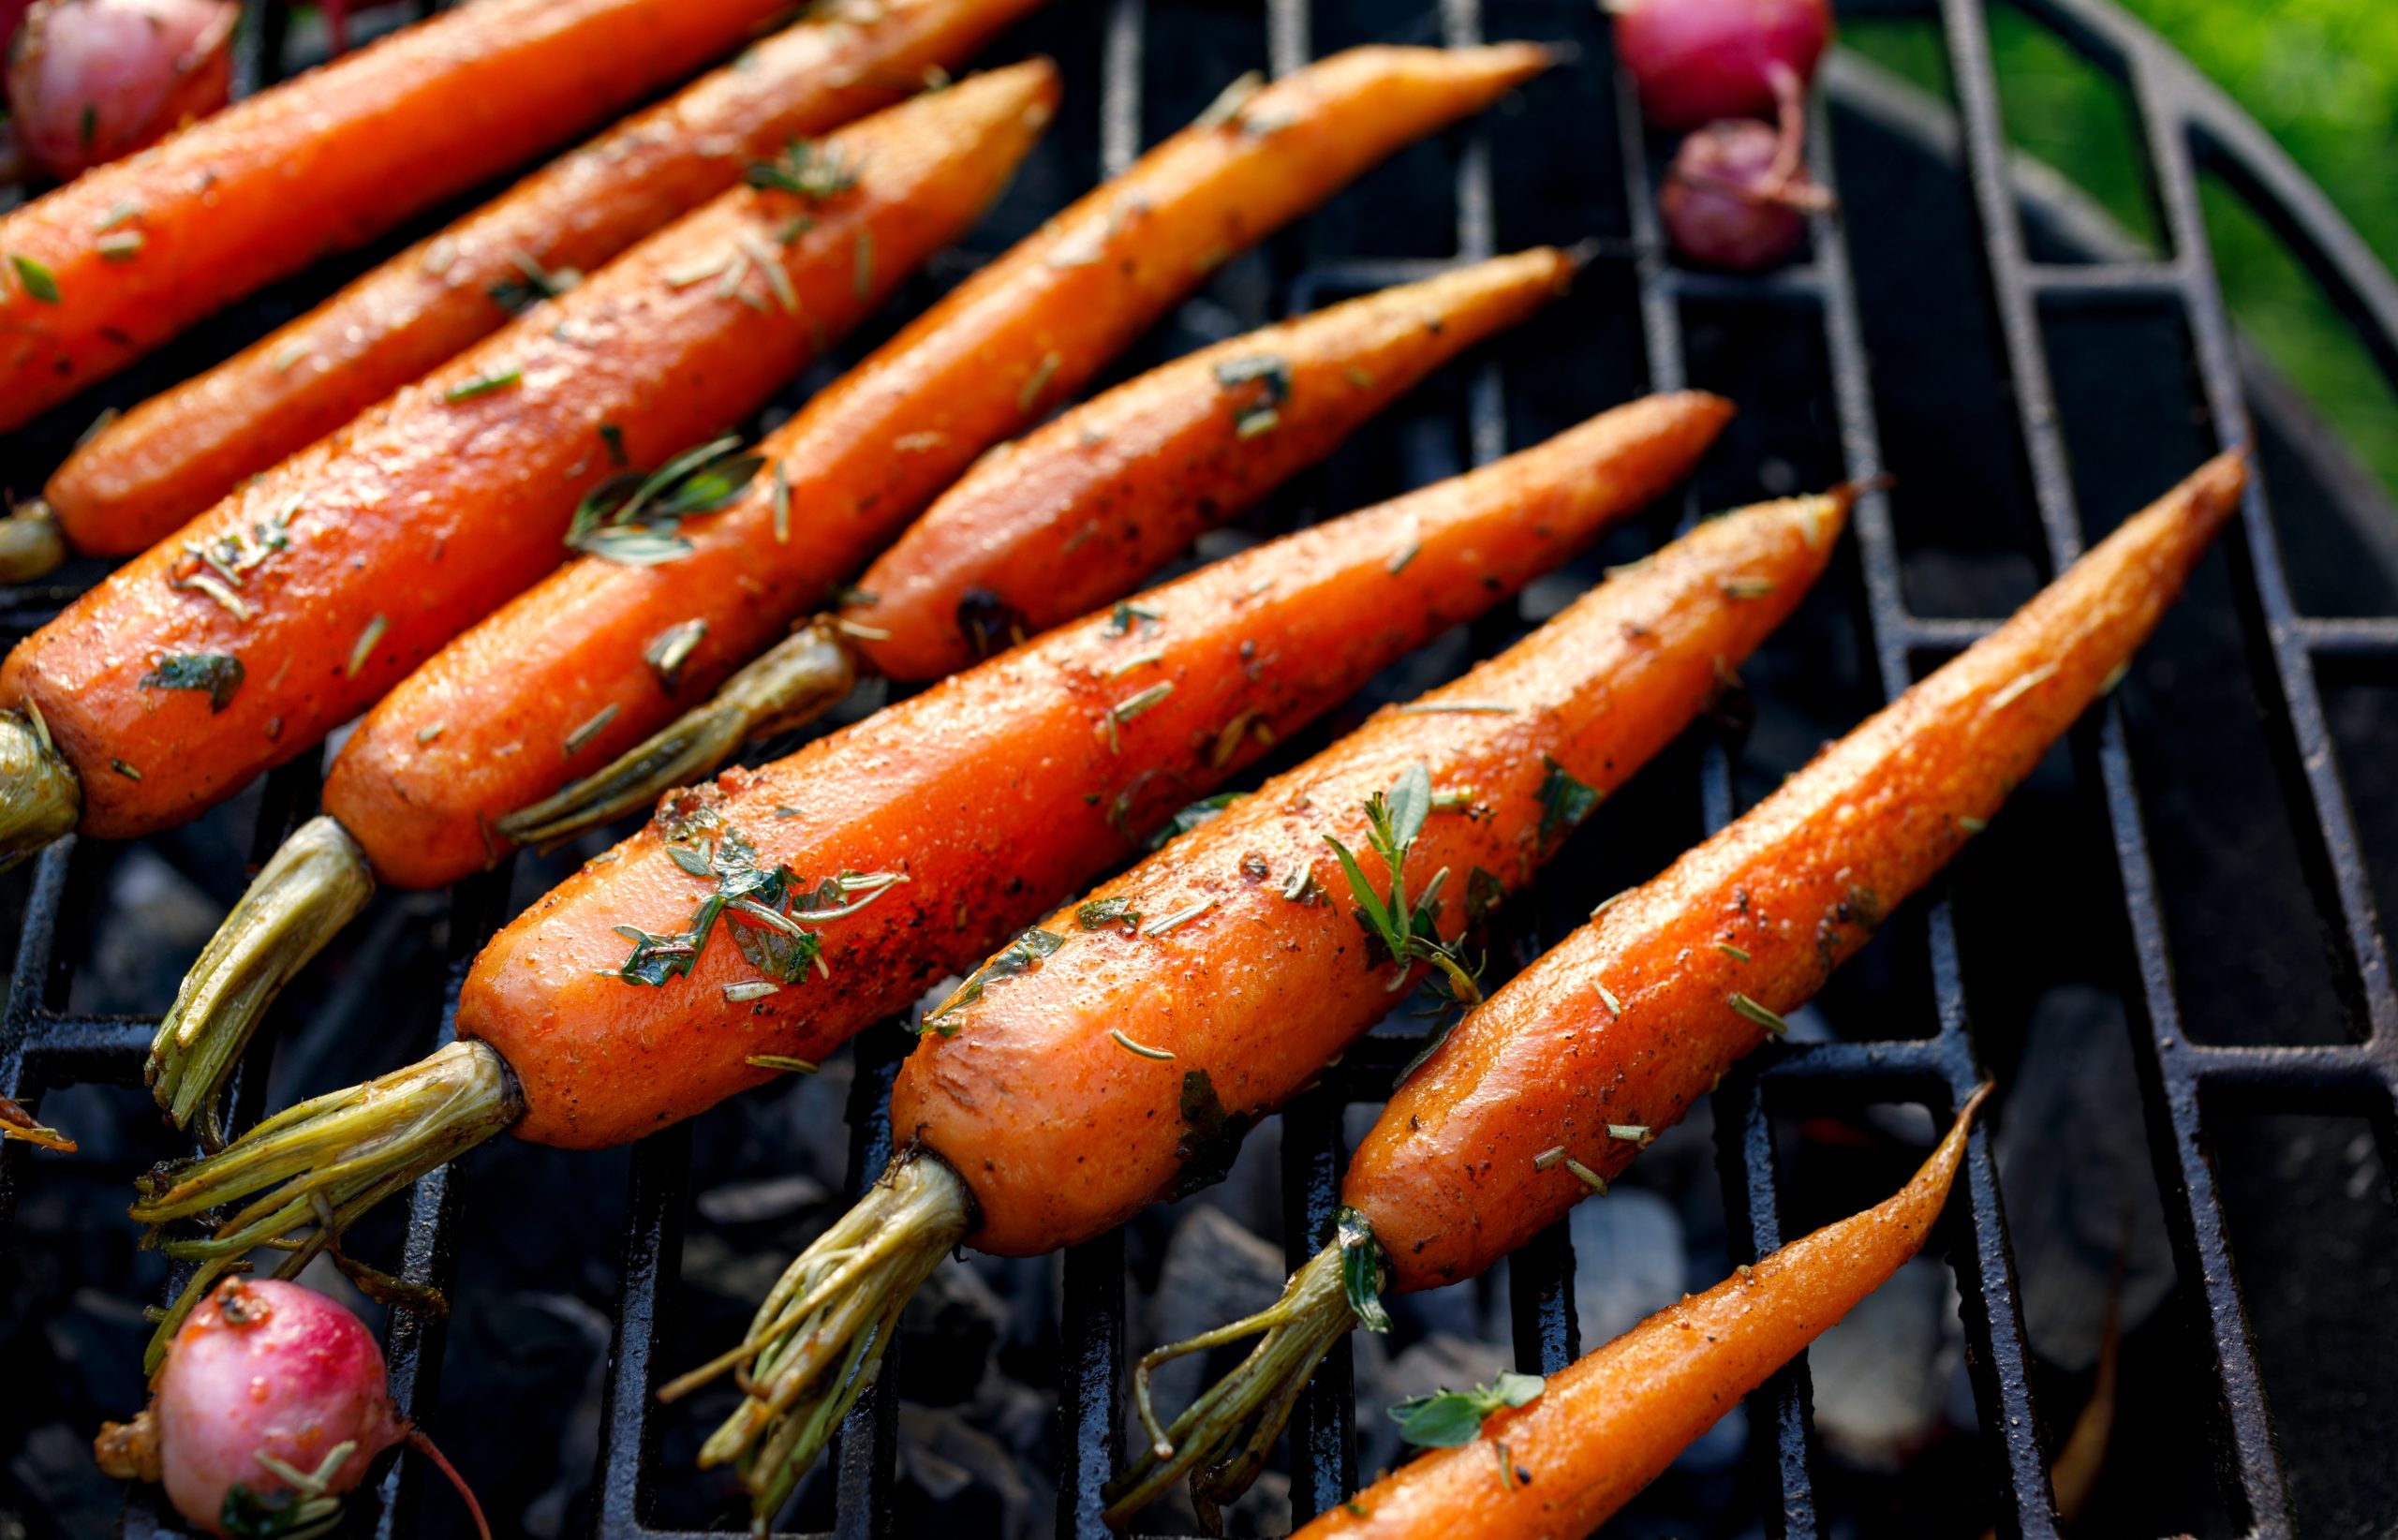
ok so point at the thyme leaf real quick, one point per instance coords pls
(1564, 802)
(1098, 913)
(216, 674)
(1021, 955)
(810, 169)
(1361, 1267)
(1454, 1417)
(635, 520)
(1407, 933)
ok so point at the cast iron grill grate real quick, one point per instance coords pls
(45, 1044)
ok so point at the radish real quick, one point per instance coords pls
(90, 81)
(272, 1406)
(1737, 196)
(1695, 60)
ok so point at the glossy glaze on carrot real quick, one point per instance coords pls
(1634, 1017)
(1061, 1130)
(135, 480)
(1000, 789)
(1609, 1423)
(382, 543)
(320, 163)
(1078, 510)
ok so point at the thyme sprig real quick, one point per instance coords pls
(1021, 955)
(1454, 1417)
(636, 520)
(1407, 932)
(808, 169)
(769, 907)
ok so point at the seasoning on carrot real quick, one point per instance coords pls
(322, 162)
(1272, 936)
(1073, 515)
(1632, 1017)
(294, 603)
(422, 792)
(134, 481)
(1583, 1440)
(908, 844)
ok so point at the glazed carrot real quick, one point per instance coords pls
(1551, 1087)
(1606, 1425)
(133, 483)
(131, 253)
(1180, 447)
(991, 359)
(291, 605)
(1115, 1053)
(1074, 515)
(922, 836)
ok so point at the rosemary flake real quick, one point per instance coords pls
(1610, 901)
(1742, 1005)
(1134, 705)
(735, 994)
(581, 737)
(427, 734)
(1735, 952)
(1971, 825)
(1142, 661)
(862, 278)
(468, 389)
(122, 247)
(1399, 563)
(1141, 1048)
(1587, 1176)
(1633, 1133)
(1098, 913)
(1746, 588)
(770, 270)
(1546, 1160)
(1038, 381)
(1615, 1006)
(1229, 101)
(124, 769)
(1165, 923)
(782, 504)
(809, 168)
(2015, 687)
(363, 648)
(783, 1062)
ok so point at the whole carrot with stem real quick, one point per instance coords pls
(1551, 1088)
(128, 254)
(1114, 1055)
(695, 959)
(1167, 453)
(1578, 1446)
(291, 605)
(136, 480)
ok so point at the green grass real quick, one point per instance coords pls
(2321, 76)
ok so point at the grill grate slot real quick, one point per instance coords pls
(2187, 126)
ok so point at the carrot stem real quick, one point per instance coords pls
(315, 885)
(31, 542)
(40, 797)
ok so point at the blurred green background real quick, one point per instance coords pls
(2321, 76)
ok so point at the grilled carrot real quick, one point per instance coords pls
(928, 832)
(1552, 1085)
(1072, 516)
(868, 454)
(131, 253)
(133, 483)
(1597, 1432)
(1177, 429)
(292, 604)
(1115, 1053)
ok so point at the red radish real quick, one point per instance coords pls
(90, 81)
(1737, 196)
(1695, 60)
(272, 1407)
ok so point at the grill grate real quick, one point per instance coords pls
(2186, 126)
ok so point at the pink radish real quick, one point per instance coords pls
(1693, 60)
(1737, 196)
(271, 1406)
(90, 81)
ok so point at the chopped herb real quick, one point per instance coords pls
(468, 389)
(1134, 705)
(862, 280)
(1141, 662)
(698, 273)
(1743, 587)
(1037, 381)
(1453, 1419)
(781, 811)
(1484, 894)
(782, 504)
(808, 169)
(1141, 1048)
(1019, 957)
(1633, 1133)
(635, 520)
(124, 769)
(532, 284)
(1744, 1006)
(2015, 686)
(37, 279)
(1407, 933)
(848, 598)
(1229, 101)
(1362, 379)
(1546, 1160)
(671, 648)
(1735, 952)
(1587, 1176)
(1210, 1140)
(1228, 740)
(439, 256)
(1615, 1006)
(768, 905)
(1564, 802)
(216, 675)
(783, 1062)
(1179, 918)
(613, 437)
(1098, 913)
(1361, 1267)
(1120, 620)
(581, 737)
(770, 270)
(735, 994)
(1254, 421)
(2114, 677)
(1299, 887)
(289, 354)
(121, 247)
(364, 647)
(1971, 825)
(1268, 370)
(1454, 708)
(1190, 815)
(99, 425)
(1399, 563)
(427, 734)
(1610, 901)
(118, 214)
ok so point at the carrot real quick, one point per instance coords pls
(134, 481)
(131, 253)
(930, 831)
(1552, 1085)
(1593, 1434)
(1072, 516)
(1115, 1053)
(1183, 449)
(867, 455)
(291, 606)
